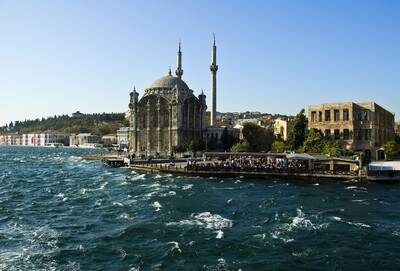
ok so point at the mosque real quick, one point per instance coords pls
(169, 114)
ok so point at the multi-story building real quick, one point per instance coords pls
(48, 138)
(282, 128)
(83, 139)
(2, 140)
(397, 129)
(358, 126)
(109, 140)
(123, 137)
(12, 139)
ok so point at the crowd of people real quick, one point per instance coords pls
(248, 163)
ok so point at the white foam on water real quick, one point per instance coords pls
(187, 186)
(238, 181)
(33, 243)
(336, 218)
(157, 205)
(278, 235)
(62, 196)
(175, 246)
(103, 185)
(206, 220)
(350, 187)
(316, 184)
(358, 224)
(304, 253)
(220, 234)
(300, 221)
(229, 201)
(116, 203)
(125, 216)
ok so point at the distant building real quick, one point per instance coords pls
(397, 128)
(254, 121)
(240, 122)
(358, 126)
(217, 131)
(77, 114)
(83, 139)
(282, 128)
(123, 137)
(109, 140)
(2, 140)
(48, 138)
(11, 139)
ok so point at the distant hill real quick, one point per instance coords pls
(100, 124)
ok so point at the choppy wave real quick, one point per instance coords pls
(59, 212)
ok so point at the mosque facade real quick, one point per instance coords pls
(166, 116)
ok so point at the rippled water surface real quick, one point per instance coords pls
(59, 212)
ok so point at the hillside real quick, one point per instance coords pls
(100, 124)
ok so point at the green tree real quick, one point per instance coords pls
(314, 141)
(227, 140)
(241, 147)
(278, 146)
(297, 135)
(392, 149)
(257, 137)
(196, 145)
(212, 143)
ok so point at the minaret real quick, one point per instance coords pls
(214, 69)
(179, 71)
(133, 121)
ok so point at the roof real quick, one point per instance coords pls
(170, 82)
(300, 156)
(384, 165)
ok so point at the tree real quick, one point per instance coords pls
(278, 146)
(227, 140)
(257, 137)
(297, 135)
(212, 143)
(314, 141)
(196, 145)
(179, 148)
(241, 147)
(392, 149)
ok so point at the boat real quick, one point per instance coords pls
(384, 171)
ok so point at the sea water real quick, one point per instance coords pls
(60, 212)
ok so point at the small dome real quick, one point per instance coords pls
(169, 81)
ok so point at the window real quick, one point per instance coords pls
(327, 115)
(336, 115)
(319, 116)
(367, 134)
(366, 115)
(346, 134)
(313, 116)
(345, 114)
(337, 134)
(327, 133)
(358, 134)
(359, 115)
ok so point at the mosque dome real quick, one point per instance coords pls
(169, 82)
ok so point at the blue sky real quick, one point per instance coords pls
(57, 57)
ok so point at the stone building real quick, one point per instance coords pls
(397, 129)
(167, 115)
(282, 128)
(358, 126)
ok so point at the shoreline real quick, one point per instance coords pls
(179, 171)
